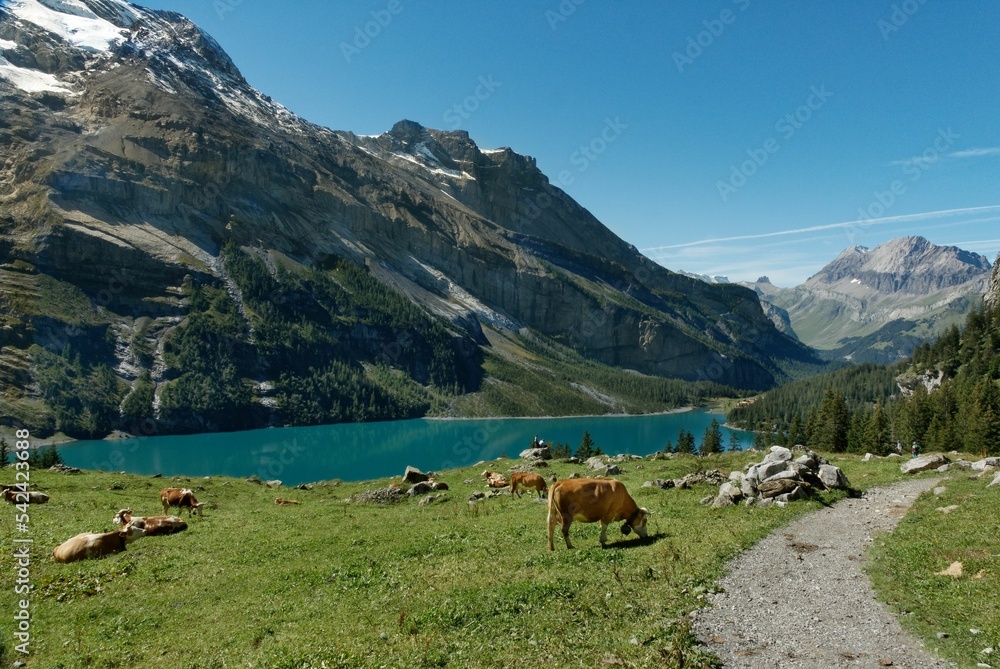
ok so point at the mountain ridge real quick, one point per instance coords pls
(149, 151)
(876, 305)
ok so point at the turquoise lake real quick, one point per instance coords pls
(361, 451)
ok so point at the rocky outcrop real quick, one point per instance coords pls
(780, 479)
(992, 297)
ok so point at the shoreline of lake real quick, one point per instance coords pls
(367, 451)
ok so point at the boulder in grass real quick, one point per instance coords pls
(924, 463)
(413, 475)
(543, 453)
(833, 477)
(981, 465)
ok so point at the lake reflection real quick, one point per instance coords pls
(362, 451)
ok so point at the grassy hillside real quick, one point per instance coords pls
(338, 584)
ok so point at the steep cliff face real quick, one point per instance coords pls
(992, 297)
(132, 151)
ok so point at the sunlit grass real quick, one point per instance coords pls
(905, 568)
(352, 585)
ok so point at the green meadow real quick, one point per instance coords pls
(333, 583)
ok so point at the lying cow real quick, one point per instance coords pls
(527, 480)
(182, 498)
(592, 500)
(495, 480)
(15, 496)
(87, 546)
(282, 502)
(152, 525)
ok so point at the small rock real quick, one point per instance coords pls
(940, 490)
(975, 631)
(943, 635)
(885, 662)
(947, 509)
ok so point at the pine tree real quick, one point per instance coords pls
(4, 452)
(734, 443)
(586, 449)
(878, 434)
(712, 441)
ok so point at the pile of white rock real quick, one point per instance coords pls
(779, 479)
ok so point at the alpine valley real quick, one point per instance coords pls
(181, 253)
(877, 305)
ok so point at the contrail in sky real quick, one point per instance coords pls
(830, 226)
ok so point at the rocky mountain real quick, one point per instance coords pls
(178, 244)
(992, 297)
(876, 305)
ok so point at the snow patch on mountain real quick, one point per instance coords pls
(71, 20)
(30, 81)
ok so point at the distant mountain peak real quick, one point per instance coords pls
(910, 264)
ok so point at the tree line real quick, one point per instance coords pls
(945, 396)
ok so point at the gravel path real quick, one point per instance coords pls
(799, 598)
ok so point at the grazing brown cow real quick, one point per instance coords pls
(527, 480)
(182, 498)
(153, 525)
(88, 545)
(282, 502)
(591, 500)
(15, 496)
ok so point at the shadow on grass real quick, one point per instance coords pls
(629, 542)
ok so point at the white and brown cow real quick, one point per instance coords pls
(152, 525)
(527, 480)
(495, 479)
(88, 545)
(182, 498)
(592, 500)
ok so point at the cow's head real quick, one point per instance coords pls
(130, 533)
(637, 522)
(196, 508)
(122, 517)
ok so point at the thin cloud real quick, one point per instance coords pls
(907, 218)
(984, 152)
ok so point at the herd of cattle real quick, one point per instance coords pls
(585, 500)
(89, 545)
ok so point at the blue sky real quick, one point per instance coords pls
(736, 137)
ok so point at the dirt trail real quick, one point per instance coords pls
(800, 599)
